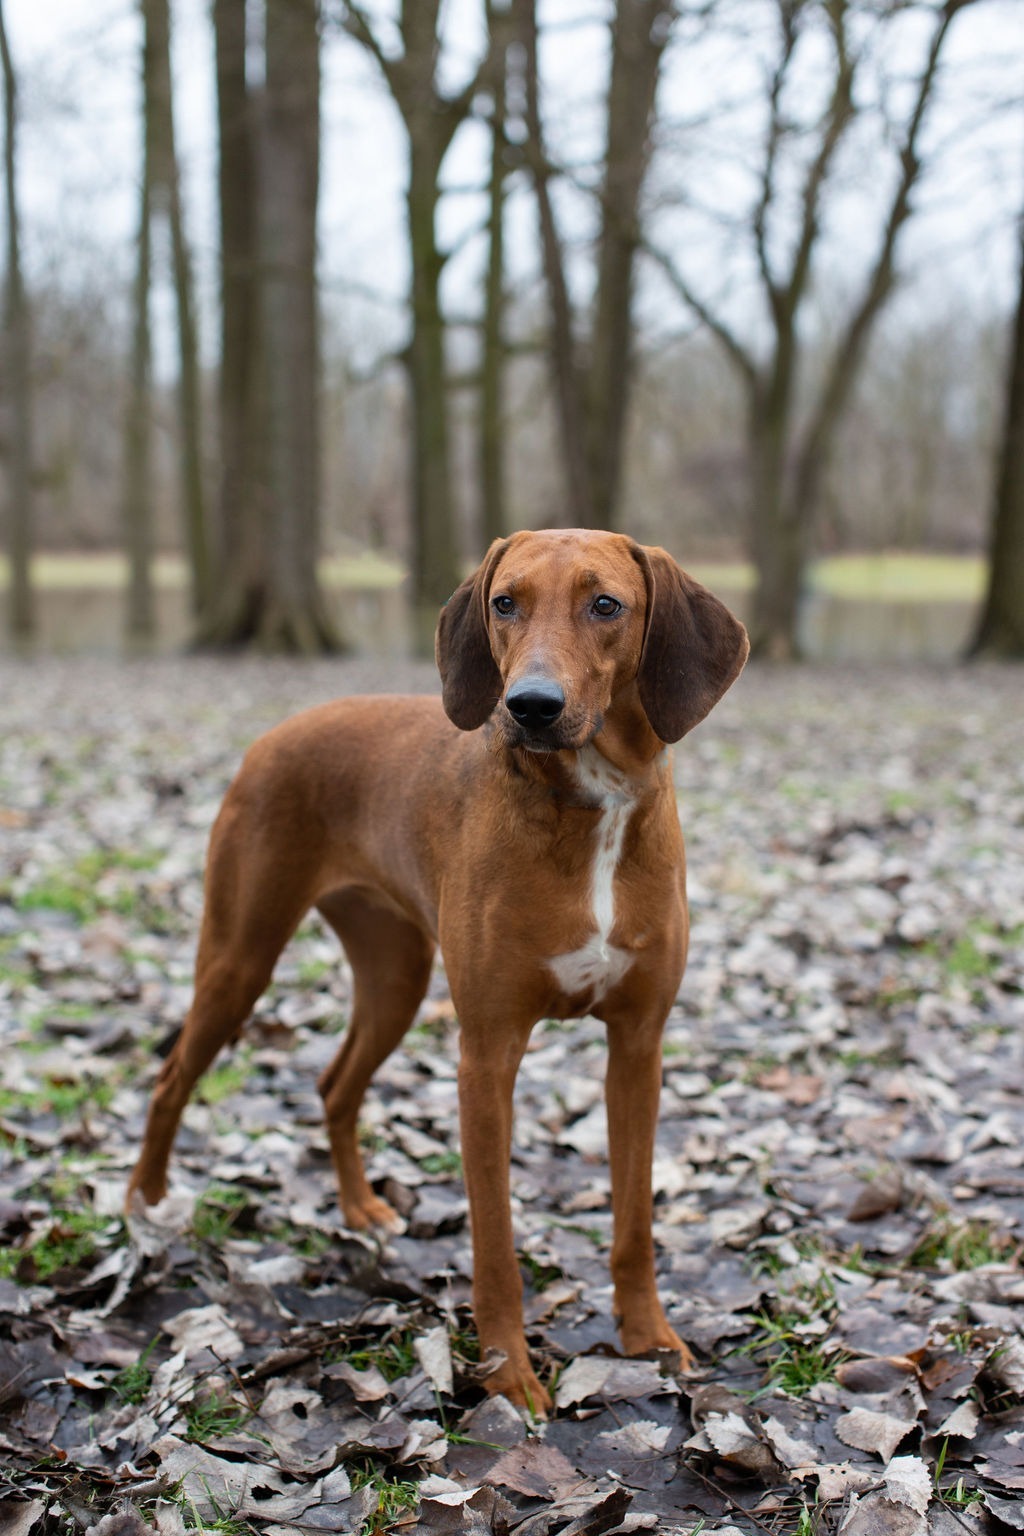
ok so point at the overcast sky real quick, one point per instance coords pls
(78, 63)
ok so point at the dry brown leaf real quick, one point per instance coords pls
(867, 1430)
(536, 1469)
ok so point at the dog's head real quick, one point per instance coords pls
(556, 627)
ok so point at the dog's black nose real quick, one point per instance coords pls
(535, 702)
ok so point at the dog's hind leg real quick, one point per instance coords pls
(391, 960)
(255, 899)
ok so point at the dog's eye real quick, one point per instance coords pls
(606, 607)
(503, 604)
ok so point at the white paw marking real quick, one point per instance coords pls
(598, 964)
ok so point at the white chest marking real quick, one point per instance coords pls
(598, 964)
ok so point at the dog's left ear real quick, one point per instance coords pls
(693, 648)
(470, 680)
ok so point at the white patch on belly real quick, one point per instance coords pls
(597, 965)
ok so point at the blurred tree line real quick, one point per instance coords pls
(760, 421)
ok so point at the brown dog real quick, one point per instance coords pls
(530, 827)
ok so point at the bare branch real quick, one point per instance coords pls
(739, 355)
(848, 353)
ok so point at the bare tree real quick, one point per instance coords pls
(786, 455)
(492, 340)
(592, 379)
(137, 490)
(267, 590)
(160, 195)
(233, 613)
(165, 197)
(1001, 627)
(431, 116)
(17, 370)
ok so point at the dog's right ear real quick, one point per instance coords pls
(470, 680)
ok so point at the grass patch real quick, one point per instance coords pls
(394, 1498)
(393, 1356)
(792, 1364)
(442, 1162)
(69, 1243)
(212, 1415)
(54, 1096)
(368, 570)
(221, 1082)
(133, 1383)
(90, 885)
(962, 1245)
(217, 1211)
(902, 577)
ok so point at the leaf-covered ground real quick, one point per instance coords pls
(840, 1167)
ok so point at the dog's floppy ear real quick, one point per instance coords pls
(470, 680)
(693, 648)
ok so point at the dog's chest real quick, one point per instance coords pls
(597, 965)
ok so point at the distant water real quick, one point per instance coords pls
(374, 623)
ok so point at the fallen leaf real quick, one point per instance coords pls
(866, 1430)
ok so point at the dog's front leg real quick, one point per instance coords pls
(491, 1050)
(632, 1090)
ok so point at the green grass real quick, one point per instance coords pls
(442, 1162)
(792, 1364)
(964, 1245)
(394, 1498)
(69, 1244)
(108, 572)
(890, 576)
(221, 1082)
(393, 1357)
(89, 885)
(902, 576)
(214, 1414)
(56, 1097)
(216, 1212)
(133, 1383)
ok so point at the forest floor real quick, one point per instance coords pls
(839, 1171)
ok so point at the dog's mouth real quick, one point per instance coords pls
(564, 735)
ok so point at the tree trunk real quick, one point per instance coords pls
(166, 193)
(267, 590)
(778, 527)
(18, 381)
(233, 611)
(1001, 627)
(140, 614)
(294, 618)
(492, 343)
(435, 562)
(639, 34)
(564, 361)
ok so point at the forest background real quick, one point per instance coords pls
(301, 298)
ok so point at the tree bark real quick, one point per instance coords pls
(564, 360)
(492, 342)
(267, 591)
(1000, 629)
(166, 194)
(431, 118)
(435, 563)
(592, 378)
(18, 380)
(140, 610)
(233, 612)
(639, 34)
(294, 617)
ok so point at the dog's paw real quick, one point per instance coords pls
(519, 1383)
(656, 1340)
(372, 1213)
